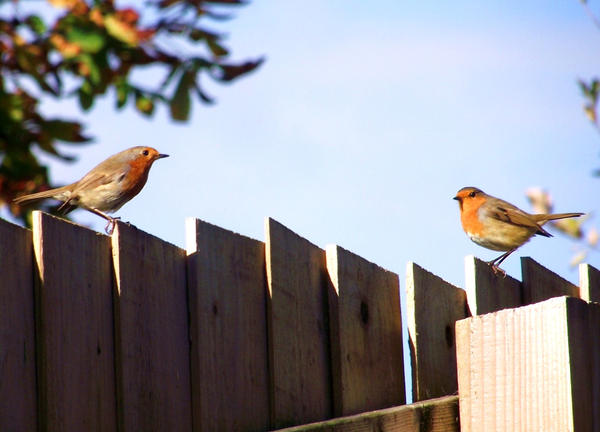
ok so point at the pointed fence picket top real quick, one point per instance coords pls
(589, 283)
(366, 334)
(299, 351)
(489, 291)
(152, 334)
(228, 329)
(540, 284)
(433, 306)
(76, 351)
(17, 335)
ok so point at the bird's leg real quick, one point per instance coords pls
(110, 226)
(495, 263)
(497, 270)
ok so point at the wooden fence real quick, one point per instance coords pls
(132, 333)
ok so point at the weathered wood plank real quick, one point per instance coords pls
(488, 291)
(589, 283)
(366, 334)
(532, 368)
(300, 374)
(540, 284)
(152, 335)
(17, 323)
(434, 415)
(433, 306)
(74, 327)
(228, 328)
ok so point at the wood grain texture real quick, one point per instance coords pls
(535, 368)
(584, 359)
(17, 323)
(152, 334)
(589, 283)
(488, 291)
(540, 284)
(300, 369)
(366, 334)
(434, 415)
(74, 327)
(228, 327)
(433, 306)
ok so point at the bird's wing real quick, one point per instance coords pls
(506, 212)
(97, 178)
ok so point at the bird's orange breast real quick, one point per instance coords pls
(136, 177)
(469, 217)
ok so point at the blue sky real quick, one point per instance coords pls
(365, 120)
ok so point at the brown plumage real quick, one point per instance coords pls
(498, 225)
(106, 187)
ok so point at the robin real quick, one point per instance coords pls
(106, 187)
(498, 225)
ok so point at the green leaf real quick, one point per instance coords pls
(583, 87)
(229, 72)
(63, 130)
(197, 34)
(46, 144)
(144, 104)
(217, 49)
(44, 84)
(180, 103)
(90, 40)
(86, 96)
(122, 89)
(36, 24)
(93, 71)
(203, 96)
(121, 30)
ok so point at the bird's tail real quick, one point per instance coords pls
(547, 217)
(57, 193)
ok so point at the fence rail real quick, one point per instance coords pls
(132, 333)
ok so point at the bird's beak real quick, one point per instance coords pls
(160, 156)
(456, 198)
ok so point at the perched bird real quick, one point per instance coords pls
(498, 225)
(106, 187)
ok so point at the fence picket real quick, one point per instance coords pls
(488, 291)
(534, 368)
(17, 323)
(74, 327)
(152, 335)
(433, 306)
(366, 334)
(589, 283)
(540, 284)
(298, 328)
(228, 329)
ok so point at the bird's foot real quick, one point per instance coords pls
(110, 226)
(497, 269)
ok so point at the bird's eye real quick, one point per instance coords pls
(472, 194)
(145, 152)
